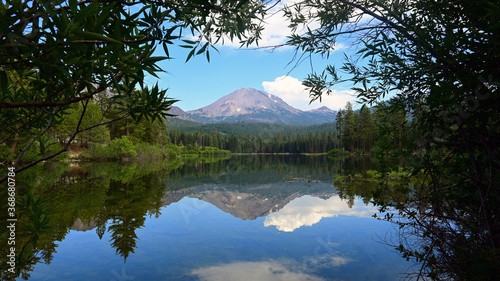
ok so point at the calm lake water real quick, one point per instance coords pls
(242, 218)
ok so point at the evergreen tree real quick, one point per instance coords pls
(368, 129)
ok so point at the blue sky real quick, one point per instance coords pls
(199, 83)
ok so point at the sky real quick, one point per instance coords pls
(199, 83)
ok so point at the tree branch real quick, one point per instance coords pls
(44, 104)
(66, 146)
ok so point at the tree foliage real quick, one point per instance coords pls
(357, 130)
(57, 53)
(438, 62)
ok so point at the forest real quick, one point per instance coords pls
(355, 132)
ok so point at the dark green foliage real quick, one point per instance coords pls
(56, 54)
(254, 143)
(439, 63)
(357, 130)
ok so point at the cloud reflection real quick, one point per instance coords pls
(308, 210)
(324, 261)
(261, 270)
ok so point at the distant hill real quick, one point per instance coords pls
(253, 106)
(180, 114)
(323, 113)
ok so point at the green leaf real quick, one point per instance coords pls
(97, 36)
(165, 49)
(189, 41)
(3, 83)
(241, 3)
(191, 54)
(85, 11)
(202, 49)
(73, 6)
(241, 27)
(154, 59)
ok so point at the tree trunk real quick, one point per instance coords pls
(127, 131)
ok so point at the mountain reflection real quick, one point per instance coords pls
(251, 201)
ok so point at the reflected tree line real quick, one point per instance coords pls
(318, 167)
(108, 197)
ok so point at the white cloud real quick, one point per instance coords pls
(292, 91)
(262, 271)
(275, 29)
(308, 210)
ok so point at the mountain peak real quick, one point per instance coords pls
(251, 92)
(243, 102)
(251, 105)
(322, 109)
(179, 113)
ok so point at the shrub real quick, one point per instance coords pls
(124, 146)
(148, 151)
(172, 150)
(373, 174)
(115, 150)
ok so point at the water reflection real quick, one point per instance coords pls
(233, 218)
(308, 210)
(263, 271)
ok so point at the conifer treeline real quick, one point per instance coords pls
(280, 143)
(357, 130)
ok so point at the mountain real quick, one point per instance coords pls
(253, 106)
(323, 114)
(180, 114)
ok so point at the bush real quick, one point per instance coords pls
(209, 150)
(100, 152)
(148, 151)
(373, 174)
(172, 150)
(123, 146)
(337, 151)
(190, 149)
(117, 149)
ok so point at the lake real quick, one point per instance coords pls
(249, 217)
